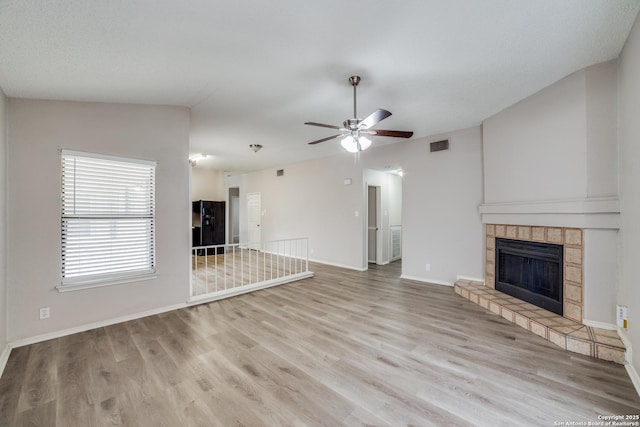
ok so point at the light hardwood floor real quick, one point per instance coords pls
(342, 348)
(238, 268)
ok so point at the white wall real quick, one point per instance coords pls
(535, 149)
(395, 200)
(311, 200)
(3, 225)
(629, 137)
(602, 136)
(207, 184)
(558, 144)
(440, 219)
(551, 159)
(600, 278)
(36, 130)
(440, 197)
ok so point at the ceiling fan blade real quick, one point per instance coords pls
(325, 139)
(374, 118)
(322, 125)
(392, 133)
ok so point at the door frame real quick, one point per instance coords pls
(233, 214)
(378, 213)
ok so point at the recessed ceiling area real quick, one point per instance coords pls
(253, 72)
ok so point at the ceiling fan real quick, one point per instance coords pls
(353, 130)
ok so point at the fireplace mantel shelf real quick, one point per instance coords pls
(601, 213)
(600, 205)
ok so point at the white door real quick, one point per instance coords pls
(253, 212)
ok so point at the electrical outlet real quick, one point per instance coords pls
(428, 267)
(45, 313)
(622, 316)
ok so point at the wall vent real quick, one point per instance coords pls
(280, 172)
(439, 145)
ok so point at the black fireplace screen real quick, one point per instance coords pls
(531, 271)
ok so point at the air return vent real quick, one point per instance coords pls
(280, 172)
(439, 145)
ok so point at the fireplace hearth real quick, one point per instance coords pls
(567, 330)
(530, 271)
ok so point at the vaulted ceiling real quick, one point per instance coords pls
(254, 71)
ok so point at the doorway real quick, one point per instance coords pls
(234, 215)
(382, 226)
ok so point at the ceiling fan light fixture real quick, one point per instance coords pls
(349, 144)
(351, 129)
(255, 147)
(364, 143)
(354, 145)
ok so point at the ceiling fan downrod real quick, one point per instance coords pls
(354, 80)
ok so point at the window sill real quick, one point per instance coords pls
(91, 285)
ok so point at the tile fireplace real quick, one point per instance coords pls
(568, 330)
(570, 243)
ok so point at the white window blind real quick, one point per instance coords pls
(108, 218)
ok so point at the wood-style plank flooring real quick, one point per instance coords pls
(240, 267)
(342, 348)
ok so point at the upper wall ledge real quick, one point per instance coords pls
(602, 212)
(600, 205)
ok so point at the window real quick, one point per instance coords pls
(108, 219)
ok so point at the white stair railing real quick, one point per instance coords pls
(221, 271)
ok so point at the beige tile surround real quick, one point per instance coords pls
(571, 238)
(566, 331)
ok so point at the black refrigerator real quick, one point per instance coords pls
(208, 224)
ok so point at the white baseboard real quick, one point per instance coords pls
(633, 374)
(422, 279)
(228, 293)
(4, 357)
(628, 360)
(348, 267)
(600, 325)
(89, 326)
(473, 279)
(628, 350)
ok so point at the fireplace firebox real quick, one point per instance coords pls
(531, 271)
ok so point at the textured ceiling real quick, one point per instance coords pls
(255, 71)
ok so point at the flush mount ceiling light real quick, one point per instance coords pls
(396, 170)
(196, 157)
(255, 147)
